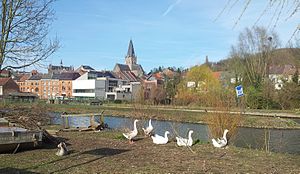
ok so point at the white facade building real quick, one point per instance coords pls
(90, 86)
(129, 92)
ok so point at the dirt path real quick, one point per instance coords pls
(107, 152)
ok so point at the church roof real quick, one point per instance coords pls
(130, 52)
(137, 67)
(127, 75)
(123, 67)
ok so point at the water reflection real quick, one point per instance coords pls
(275, 140)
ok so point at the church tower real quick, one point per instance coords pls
(130, 63)
(206, 61)
(130, 58)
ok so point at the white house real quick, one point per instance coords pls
(103, 85)
(281, 74)
(129, 92)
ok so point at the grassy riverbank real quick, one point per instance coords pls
(162, 113)
(108, 152)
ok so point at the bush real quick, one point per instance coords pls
(117, 101)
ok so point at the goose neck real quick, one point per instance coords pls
(134, 125)
(190, 135)
(224, 135)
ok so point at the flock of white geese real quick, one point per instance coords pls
(159, 139)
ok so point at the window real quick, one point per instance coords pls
(113, 83)
(92, 76)
(111, 97)
(84, 91)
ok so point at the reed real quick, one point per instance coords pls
(221, 119)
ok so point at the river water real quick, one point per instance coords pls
(278, 140)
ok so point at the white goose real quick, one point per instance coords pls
(222, 142)
(185, 141)
(62, 149)
(130, 135)
(148, 129)
(157, 139)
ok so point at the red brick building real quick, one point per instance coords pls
(7, 86)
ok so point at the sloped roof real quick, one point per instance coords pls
(23, 94)
(86, 67)
(289, 70)
(105, 74)
(138, 67)
(55, 76)
(123, 67)
(126, 75)
(5, 72)
(35, 77)
(3, 81)
(46, 76)
(68, 76)
(24, 77)
(217, 74)
(282, 69)
(155, 76)
(59, 67)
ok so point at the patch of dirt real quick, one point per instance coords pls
(106, 152)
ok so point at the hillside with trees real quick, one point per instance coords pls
(280, 56)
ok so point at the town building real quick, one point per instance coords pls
(103, 85)
(153, 86)
(130, 70)
(66, 83)
(48, 86)
(83, 69)
(5, 73)
(7, 86)
(279, 74)
(53, 69)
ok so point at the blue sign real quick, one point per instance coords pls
(239, 91)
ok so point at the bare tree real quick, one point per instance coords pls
(24, 33)
(253, 52)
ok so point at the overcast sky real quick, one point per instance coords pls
(164, 32)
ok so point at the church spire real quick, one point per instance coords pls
(130, 52)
